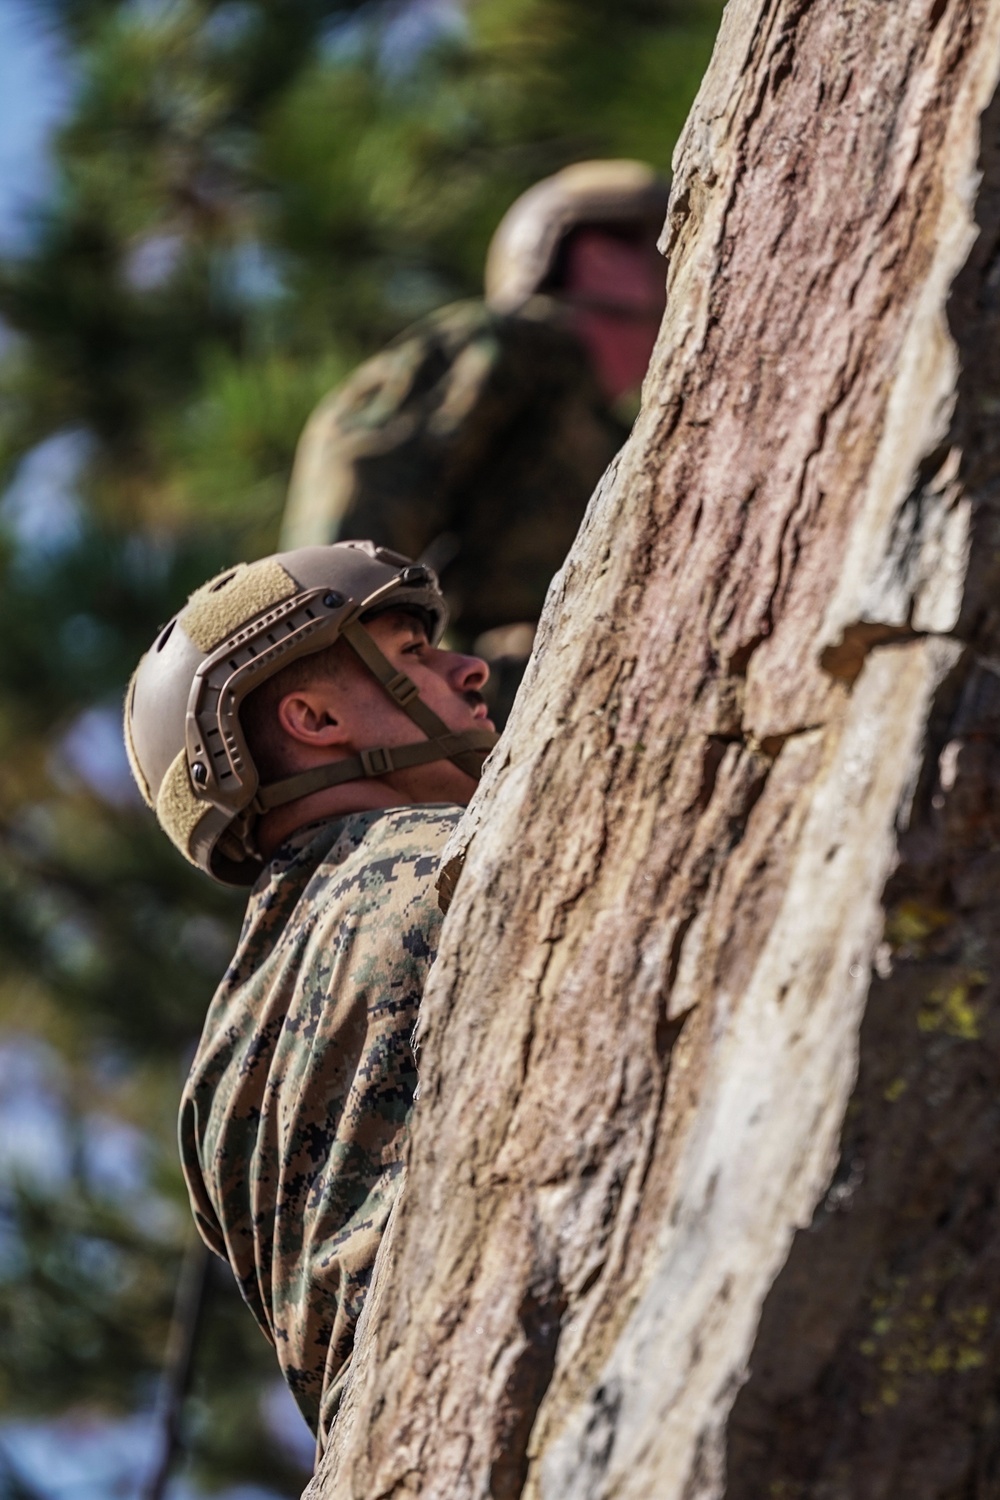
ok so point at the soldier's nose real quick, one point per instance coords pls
(471, 673)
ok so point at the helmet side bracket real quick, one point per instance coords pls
(219, 762)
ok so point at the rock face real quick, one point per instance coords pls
(702, 1189)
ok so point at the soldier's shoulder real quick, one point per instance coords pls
(382, 861)
(442, 333)
(432, 352)
(414, 363)
(408, 833)
(392, 855)
(540, 325)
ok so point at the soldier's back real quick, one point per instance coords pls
(475, 434)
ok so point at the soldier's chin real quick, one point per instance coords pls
(463, 787)
(447, 784)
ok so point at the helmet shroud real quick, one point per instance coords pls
(525, 246)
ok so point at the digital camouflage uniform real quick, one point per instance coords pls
(294, 1117)
(480, 432)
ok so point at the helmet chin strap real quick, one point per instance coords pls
(468, 748)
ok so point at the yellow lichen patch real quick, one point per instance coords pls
(896, 1089)
(948, 1008)
(970, 1322)
(907, 1342)
(911, 923)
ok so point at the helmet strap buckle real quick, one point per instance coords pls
(376, 762)
(402, 688)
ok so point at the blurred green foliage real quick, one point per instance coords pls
(252, 196)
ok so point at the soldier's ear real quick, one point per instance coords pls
(308, 716)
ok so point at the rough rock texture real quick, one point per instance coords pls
(756, 755)
(874, 1372)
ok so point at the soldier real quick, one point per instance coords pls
(476, 438)
(297, 728)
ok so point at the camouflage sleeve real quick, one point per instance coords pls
(294, 1118)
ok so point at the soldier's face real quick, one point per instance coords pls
(617, 288)
(448, 682)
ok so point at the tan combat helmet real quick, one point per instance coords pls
(524, 249)
(185, 742)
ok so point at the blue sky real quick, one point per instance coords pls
(34, 89)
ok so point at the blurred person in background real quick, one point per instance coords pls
(476, 438)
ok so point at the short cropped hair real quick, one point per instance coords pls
(267, 741)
